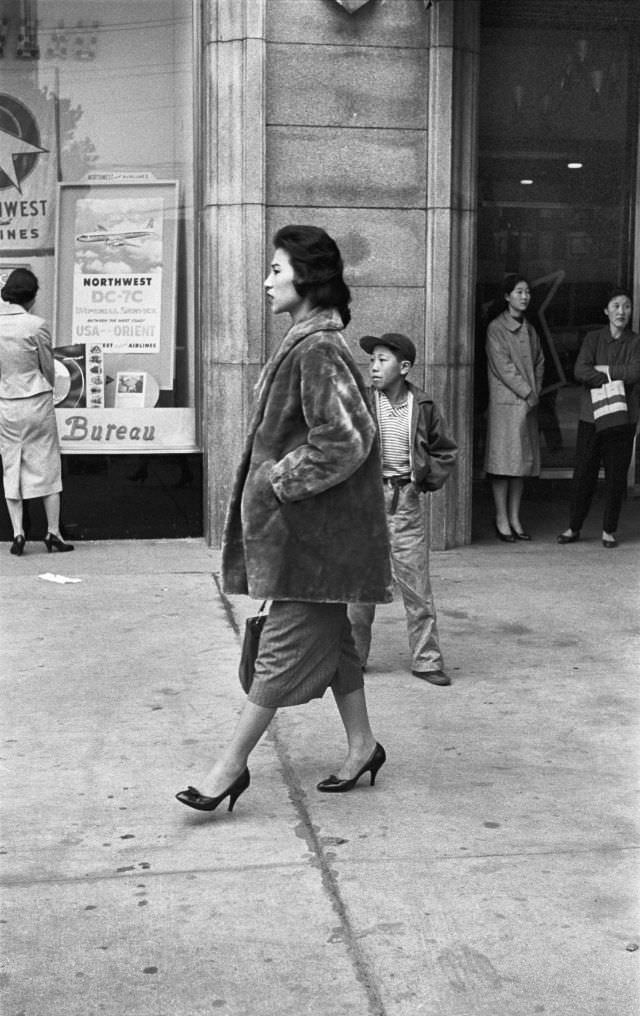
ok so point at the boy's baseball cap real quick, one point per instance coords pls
(393, 340)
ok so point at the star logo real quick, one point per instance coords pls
(20, 146)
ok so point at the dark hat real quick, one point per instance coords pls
(393, 340)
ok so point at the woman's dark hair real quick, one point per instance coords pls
(511, 281)
(20, 287)
(317, 265)
(613, 291)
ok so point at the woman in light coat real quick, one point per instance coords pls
(515, 366)
(28, 432)
(306, 525)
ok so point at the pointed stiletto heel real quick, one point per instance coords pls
(333, 785)
(194, 799)
(53, 542)
(17, 546)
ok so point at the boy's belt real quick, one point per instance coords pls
(396, 482)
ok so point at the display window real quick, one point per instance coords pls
(97, 198)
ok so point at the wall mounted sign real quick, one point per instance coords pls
(28, 163)
(125, 431)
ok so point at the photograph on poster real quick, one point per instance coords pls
(130, 389)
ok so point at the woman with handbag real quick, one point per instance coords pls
(608, 367)
(306, 525)
(28, 432)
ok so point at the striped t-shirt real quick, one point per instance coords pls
(394, 436)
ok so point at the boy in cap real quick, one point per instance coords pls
(417, 456)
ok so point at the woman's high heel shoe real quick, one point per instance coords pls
(520, 534)
(18, 545)
(194, 799)
(333, 785)
(53, 542)
(505, 537)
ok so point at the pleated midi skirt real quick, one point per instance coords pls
(29, 447)
(305, 648)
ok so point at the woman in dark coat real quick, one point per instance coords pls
(611, 353)
(28, 431)
(515, 365)
(306, 525)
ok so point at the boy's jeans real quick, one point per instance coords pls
(410, 566)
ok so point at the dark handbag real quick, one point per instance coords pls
(250, 644)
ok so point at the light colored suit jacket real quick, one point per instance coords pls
(26, 357)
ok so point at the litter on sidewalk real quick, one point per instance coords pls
(61, 579)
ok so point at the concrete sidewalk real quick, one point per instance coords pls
(492, 871)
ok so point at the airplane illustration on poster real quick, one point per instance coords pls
(116, 238)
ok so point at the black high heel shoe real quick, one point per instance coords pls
(520, 534)
(333, 785)
(18, 545)
(194, 799)
(53, 542)
(505, 537)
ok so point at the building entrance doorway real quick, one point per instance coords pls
(557, 178)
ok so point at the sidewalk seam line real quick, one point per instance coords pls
(362, 969)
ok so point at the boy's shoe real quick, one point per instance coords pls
(433, 676)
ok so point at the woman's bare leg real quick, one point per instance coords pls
(52, 510)
(252, 723)
(360, 739)
(14, 507)
(500, 486)
(516, 487)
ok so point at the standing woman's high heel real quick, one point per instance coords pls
(505, 537)
(333, 785)
(18, 545)
(53, 542)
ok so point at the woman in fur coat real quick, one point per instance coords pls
(306, 525)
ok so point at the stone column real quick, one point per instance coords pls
(231, 238)
(451, 248)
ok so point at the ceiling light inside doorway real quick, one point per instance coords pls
(526, 183)
(574, 165)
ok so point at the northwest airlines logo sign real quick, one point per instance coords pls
(28, 173)
(20, 147)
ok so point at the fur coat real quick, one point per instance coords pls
(306, 520)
